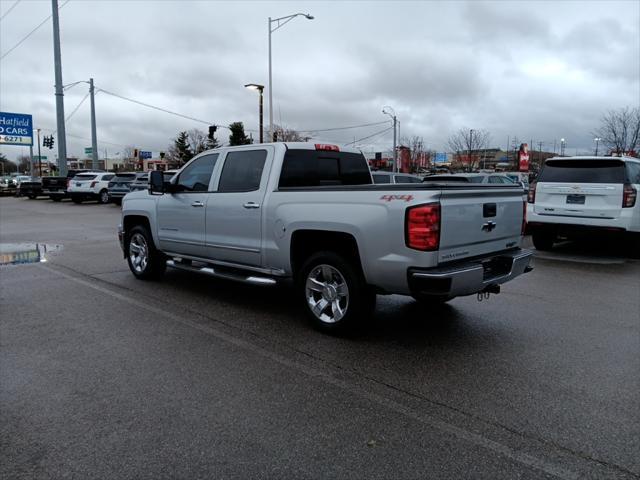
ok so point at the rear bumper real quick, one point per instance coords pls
(471, 276)
(117, 194)
(82, 195)
(624, 221)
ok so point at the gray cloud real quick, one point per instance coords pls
(536, 70)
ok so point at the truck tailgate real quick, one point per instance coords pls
(479, 221)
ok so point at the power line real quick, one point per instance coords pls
(10, 8)
(31, 32)
(345, 128)
(370, 136)
(77, 107)
(156, 108)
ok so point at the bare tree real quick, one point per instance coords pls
(286, 134)
(24, 163)
(198, 141)
(418, 156)
(465, 141)
(620, 130)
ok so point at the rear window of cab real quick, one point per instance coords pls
(317, 168)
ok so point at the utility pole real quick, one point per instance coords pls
(94, 139)
(40, 157)
(470, 144)
(395, 144)
(62, 135)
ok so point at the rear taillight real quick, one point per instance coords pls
(629, 194)
(524, 218)
(531, 197)
(423, 227)
(93, 184)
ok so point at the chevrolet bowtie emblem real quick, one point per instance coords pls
(487, 227)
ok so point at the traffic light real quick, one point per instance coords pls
(51, 141)
(45, 141)
(212, 131)
(162, 155)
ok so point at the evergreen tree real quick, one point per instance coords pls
(238, 137)
(182, 148)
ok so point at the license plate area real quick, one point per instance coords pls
(496, 267)
(575, 199)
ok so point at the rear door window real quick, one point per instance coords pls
(381, 178)
(242, 171)
(315, 168)
(583, 171)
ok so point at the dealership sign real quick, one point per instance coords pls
(523, 157)
(16, 129)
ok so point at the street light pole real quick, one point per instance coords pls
(280, 22)
(597, 140)
(392, 113)
(260, 89)
(562, 147)
(94, 139)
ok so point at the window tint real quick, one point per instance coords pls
(107, 177)
(125, 177)
(242, 171)
(381, 178)
(313, 168)
(583, 171)
(195, 177)
(633, 172)
(499, 179)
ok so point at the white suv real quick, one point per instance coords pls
(584, 195)
(90, 186)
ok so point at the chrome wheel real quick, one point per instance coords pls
(138, 252)
(327, 293)
(104, 197)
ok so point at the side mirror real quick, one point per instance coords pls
(156, 183)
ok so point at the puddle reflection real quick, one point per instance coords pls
(21, 253)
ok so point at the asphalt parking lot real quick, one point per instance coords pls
(105, 376)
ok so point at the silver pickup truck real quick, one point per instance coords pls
(310, 214)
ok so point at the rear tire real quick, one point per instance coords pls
(103, 197)
(336, 298)
(144, 260)
(543, 239)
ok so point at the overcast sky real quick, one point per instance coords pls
(534, 70)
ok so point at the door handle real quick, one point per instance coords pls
(197, 204)
(251, 205)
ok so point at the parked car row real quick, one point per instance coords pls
(79, 185)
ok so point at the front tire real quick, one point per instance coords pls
(336, 297)
(145, 262)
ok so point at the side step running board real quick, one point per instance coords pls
(226, 274)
